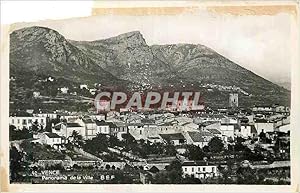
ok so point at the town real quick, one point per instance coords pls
(230, 145)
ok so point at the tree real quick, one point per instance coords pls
(15, 163)
(216, 145)
(15, 134)
(262, 136)
(195, 152)
(96, 145)
(77, 139)
(172, 175)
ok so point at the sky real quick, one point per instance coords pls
(261, 44)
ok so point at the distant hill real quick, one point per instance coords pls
(126, 61)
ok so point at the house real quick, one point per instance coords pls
(67, 129)
(209, 125)
(247, 130)
(36, 94)
(173, 138)
(142, 130)
(154, 139)
(190, 126)
(90, 127)
(98, 117)
(199, 139)
(263, 124)
(228, 129)
(200, 170)
(52, 139)
(102, 127)
(27, 122)
(47, 115)
(215, 132)
(117, 129)
(83, 86)
(48, 138)
(64, 90)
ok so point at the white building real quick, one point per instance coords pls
(264, 125)
(83, 86)
(102, 127)
(36, 94)
(66, 129)
(51, 139)
(247, 130)
(64, 90)
(46, 115)
(228, 129)
(27, 122)
(200, 170)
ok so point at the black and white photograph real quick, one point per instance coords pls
(187, 96)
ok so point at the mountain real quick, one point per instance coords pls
(43, 51)
(127, 61)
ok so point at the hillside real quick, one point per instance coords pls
(126, 61)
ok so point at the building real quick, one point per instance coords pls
(64, 90)
(118, 130)
(67, 129)
(90, 127)
(247, 130)
(51, 139)
(174, 138)
(263, 124)
(28, 122)
(83, 86)
(199, 139)
(233, 100)
(154, 139)
(47, 115)
(200, 170)
(36, 94)
(228, 129)
(102, 127)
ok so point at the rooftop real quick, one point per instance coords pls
(73, 125)
(173, 136)
(102, 123)
(199, 136)
(52, 135)
(197, 163)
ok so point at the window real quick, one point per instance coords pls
(203, 169)
(198, 169)
(12, 121)
(24, 121)
(185, 169)
(18, 121)
(140, 132)
(192, 169)
(42, 120)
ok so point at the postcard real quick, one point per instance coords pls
(149, 96)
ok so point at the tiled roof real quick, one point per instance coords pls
(73, 125)
(198, 163)
(102, 123)
(52, 135)
(199, 136)
(87, 121)
(173, 136)
(214, 131)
